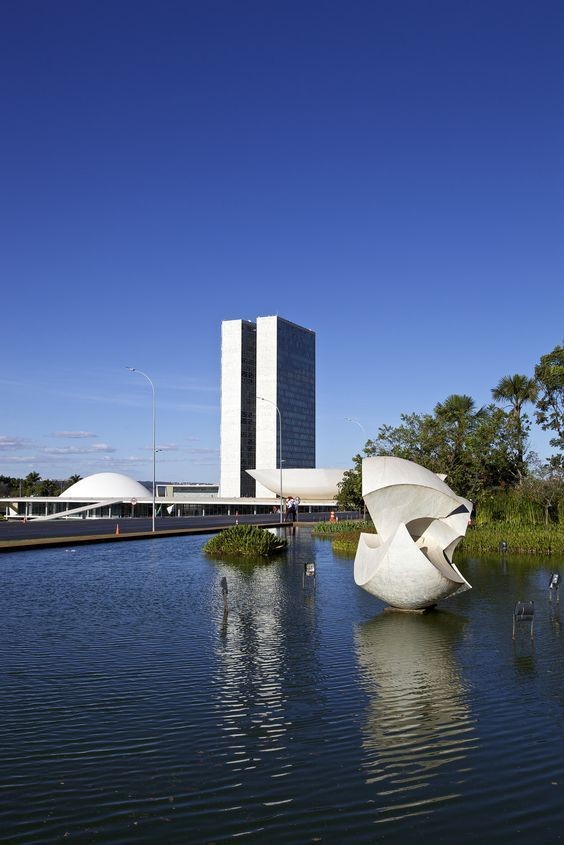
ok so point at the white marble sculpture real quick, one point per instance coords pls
(419, 521)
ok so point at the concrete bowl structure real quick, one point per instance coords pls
(419, 521)
(106, 485)
(308, 484)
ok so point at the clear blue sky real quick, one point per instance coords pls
(389, 174)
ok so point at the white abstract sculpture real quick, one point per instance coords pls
(419, 521)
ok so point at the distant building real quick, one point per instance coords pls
(273, 359)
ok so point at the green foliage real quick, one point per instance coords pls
(350, 488)
(344, 535)
(520, 540)
(343, 527)
(549, 375)
(34, 485)
(474, 448)
(515, 391)
(245, 541)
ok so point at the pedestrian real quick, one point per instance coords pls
(290, 509)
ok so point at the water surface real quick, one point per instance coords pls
(135, 710)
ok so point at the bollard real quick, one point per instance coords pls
(117, 529)
(309, 572)
(554, 586)
(524, 612)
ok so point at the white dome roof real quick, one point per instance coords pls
(106, 485)
(314, 483)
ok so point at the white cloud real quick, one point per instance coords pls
(74, 434)
(76, 450)
(7, 442)
(18, 459)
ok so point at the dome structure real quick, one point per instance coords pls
(106, 485)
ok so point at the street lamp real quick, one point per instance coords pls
(360, 425)
(349, 419)
(279, 441)
(141, 373)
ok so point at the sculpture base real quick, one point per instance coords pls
(391, 609)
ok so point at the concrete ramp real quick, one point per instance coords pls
(72, 511)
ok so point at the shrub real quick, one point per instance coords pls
(245, 541)
(346, 526)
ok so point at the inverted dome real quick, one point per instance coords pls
(306, 483)
(106, 485)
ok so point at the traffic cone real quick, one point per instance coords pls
(117, 529)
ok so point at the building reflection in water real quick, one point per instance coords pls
(419, 728)
(264, 654)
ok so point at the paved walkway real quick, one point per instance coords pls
(18, 536)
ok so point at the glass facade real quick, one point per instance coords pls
(296, 394)
(248, 407)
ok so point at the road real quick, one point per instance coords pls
(61, 529)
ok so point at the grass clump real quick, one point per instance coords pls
(346, 526)
(245, 541)
(344, 535)
(532, 539)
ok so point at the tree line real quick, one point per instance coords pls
(485, 451)
(34, 485)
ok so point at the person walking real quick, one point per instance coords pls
(290, 509)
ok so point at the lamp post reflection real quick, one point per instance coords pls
(262, 399)
(141, 373)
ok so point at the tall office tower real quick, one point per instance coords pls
(275, 360)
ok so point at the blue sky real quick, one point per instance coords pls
(388, 174)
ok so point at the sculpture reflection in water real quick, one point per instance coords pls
(419, 728)
(419, 522)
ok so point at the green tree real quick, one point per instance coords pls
(349, 496)
(549, 375)
(72, 480)
(516, 391)
(469, 446)
(546, 488)
(8, 486)
(31, 484)
(48, 487)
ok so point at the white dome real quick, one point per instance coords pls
(306, 483)
(106, 485)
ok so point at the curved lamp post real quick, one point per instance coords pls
(141, 373)
(360, 425)
(350, 419)
(280, 442)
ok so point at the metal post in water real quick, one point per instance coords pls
(224, 592)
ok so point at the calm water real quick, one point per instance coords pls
(132, 711)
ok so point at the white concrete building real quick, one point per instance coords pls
(273, 359)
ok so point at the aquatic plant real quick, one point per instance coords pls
(245, 541)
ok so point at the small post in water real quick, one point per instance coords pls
(309, 572)
(224, 591)
(524, 612)
(554, 586)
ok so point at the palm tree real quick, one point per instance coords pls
(458, 412)
(515, 391)
(72, 480)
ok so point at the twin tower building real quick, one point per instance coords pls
(267, 401)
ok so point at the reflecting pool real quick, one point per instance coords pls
(135, 709)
